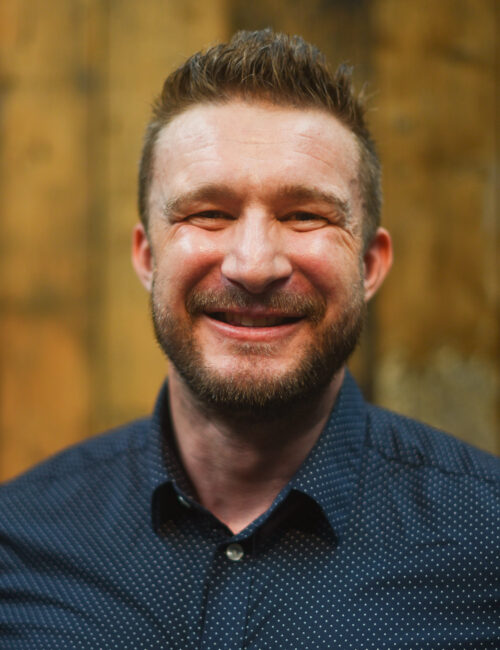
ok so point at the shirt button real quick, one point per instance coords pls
(235, 552)
(184, 502)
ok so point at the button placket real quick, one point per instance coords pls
(228, 588)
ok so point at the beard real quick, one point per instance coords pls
(252, 391)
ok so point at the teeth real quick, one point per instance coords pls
(252, 321)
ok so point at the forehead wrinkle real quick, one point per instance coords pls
(325, 151)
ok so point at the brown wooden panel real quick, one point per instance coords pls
(44, 393)
(44, 361)
(436, 120)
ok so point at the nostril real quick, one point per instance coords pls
(256, 273)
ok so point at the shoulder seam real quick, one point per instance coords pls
(443, 470)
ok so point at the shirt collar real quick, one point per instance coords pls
(328, 476)
(164, 467)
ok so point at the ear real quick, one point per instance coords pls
(142, 256)
(377, 260)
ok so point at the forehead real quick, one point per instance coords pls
(253, 145)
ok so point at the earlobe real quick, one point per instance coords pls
(377, 262)
(142, 256)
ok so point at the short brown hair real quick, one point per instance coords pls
(285, 70)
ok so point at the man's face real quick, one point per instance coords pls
(255, 230)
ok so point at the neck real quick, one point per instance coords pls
(238, 465)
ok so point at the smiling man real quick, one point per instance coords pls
(264, 504)
(252, 247)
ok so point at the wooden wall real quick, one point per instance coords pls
(77, 353)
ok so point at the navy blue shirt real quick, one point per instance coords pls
(387, 537)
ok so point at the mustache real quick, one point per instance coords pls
(290, 303)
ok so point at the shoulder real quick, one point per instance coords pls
(407, 441)
(83, 468)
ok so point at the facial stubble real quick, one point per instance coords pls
(260, 393)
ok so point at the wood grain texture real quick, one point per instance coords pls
(44, 364)
(438, 343)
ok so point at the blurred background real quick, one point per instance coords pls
(77, 77)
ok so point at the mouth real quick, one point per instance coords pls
(248, 320)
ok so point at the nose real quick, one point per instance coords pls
(255, 257)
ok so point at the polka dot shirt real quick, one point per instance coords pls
(388, 537)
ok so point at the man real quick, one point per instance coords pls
(264, 504)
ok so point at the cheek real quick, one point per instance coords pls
(329, 262)
(186, 257)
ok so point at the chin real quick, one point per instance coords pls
(259, 388)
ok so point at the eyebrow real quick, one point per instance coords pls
(289, 193)
(208, 193)
(304, 193)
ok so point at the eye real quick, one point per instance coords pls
(305, 216)
(305, 220)
(210, 219)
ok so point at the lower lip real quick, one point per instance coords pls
(257, 334)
